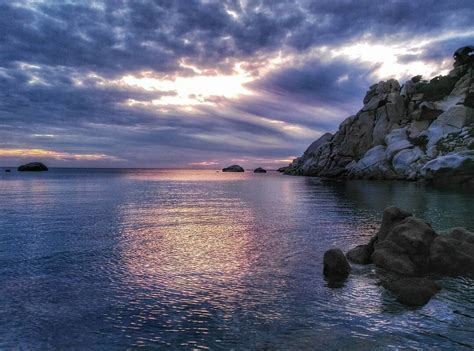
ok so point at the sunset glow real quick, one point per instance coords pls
(192, 90)
(180, 83)
(31, 153)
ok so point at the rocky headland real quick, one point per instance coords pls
(408, 253)
(421, 130)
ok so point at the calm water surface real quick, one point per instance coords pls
(109, 259)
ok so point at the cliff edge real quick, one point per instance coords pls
(420, 130)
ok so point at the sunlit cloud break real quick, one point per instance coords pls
(29, 153)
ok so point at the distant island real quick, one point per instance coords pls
(422, 130)
(33, 167)
(233, 168)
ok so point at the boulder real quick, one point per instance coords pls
(416, 128)
(335, 264)
(412, 291)
(396, 147)
(360, 254)
(408, 88)
(453, 254)
(405, 161)
(233, 168)
(455, 168)
(259, 170)
(451, 121)
(372, 166)
(405, 249)
(33, 167)
(388, 117)
(428, 114)
(462, 234)
(391, 216)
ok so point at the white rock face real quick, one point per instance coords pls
(451, 121)
(416, 128)
(408, 88)
(372, 158)
(405, 162)
(450, 161)
(395, 147)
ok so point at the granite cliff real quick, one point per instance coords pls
(418, 130)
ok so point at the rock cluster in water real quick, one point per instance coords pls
(33, 167)
(420, 130)
(410, 250)
(233, 168)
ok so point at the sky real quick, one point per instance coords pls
(204, 84)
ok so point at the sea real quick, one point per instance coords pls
(200, 259)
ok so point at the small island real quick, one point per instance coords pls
(233, 168)
(33, 167)
(259, 170)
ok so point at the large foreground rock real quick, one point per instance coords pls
(453, 254)
(335, 264)
(360, 254)
(408, 248)
(413, 291)
(233, 168)
(33, 167)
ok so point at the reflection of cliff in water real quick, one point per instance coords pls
(433, 204)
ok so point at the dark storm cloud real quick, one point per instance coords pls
(107, 38)
(317, 82)
(54, 56)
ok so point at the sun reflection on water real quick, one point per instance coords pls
(188, 260)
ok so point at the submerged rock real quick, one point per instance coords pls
(33, 167)
(412, 291)
(233, 168)
(335, 264)
(7, 170)
(259, 170)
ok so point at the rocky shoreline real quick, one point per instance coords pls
(418, 131)
(408, 252)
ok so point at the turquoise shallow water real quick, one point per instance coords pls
(115, 259)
